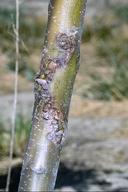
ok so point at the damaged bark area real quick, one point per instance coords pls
(51, 114)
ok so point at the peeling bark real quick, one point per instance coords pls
(53, 89)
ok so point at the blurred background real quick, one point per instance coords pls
(95, 156)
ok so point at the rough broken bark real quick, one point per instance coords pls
(53, 89)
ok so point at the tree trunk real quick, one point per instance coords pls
(53, 90)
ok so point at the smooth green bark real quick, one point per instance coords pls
(53, 89)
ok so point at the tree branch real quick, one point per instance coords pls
(53, 89)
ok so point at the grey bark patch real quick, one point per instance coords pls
(56, 137)
(43, 83)
(66, 41)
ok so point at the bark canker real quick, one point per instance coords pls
(51, 114)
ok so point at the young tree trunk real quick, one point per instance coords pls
(53, 89)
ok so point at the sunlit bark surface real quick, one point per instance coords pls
(53, 89)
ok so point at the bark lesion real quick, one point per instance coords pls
(66, 45)
(52, 114)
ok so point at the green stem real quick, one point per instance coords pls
(53, 90)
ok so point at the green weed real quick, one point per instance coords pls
(87, 34)
(121, 12)
(24, 69)
(22, 131)
(111, 49)
(31, 34)
(21, 135)
(115, 88)
(97, 30)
